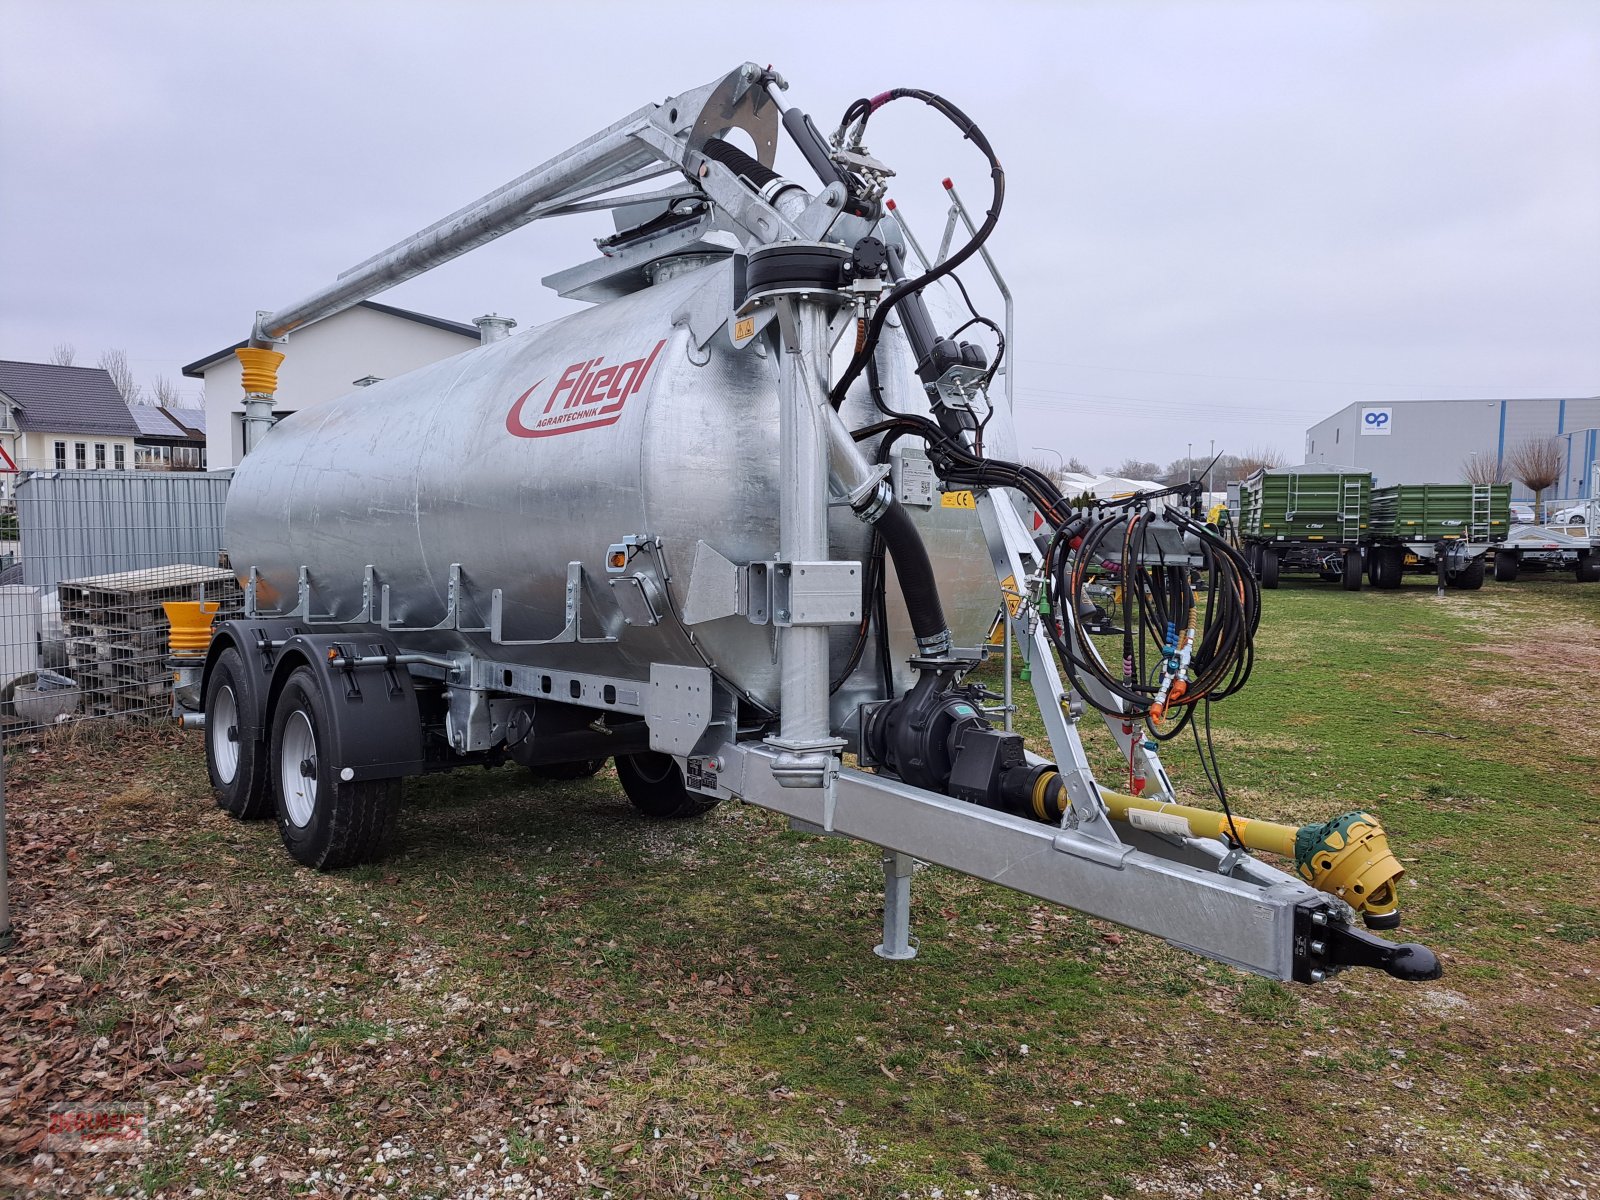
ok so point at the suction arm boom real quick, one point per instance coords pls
(650, 141)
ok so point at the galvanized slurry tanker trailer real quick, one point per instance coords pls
(659, 531)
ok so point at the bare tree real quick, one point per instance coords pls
(63, 354)
(1077, 466)
(1257, 457)
(115, 364)
(1483, 466)
(165, 393)
(1134, 468)
(1536, 464)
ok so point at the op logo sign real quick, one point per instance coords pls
(1376, 420)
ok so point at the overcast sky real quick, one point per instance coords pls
(1223, 220)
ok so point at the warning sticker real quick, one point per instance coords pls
(743, 328)
(1159, 822)
(1008, 586)
(958, 500)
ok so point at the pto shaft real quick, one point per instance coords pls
(1348, 856)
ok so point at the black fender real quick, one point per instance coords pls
(377, 725)
(254, 640)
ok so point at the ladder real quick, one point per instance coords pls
(1350, 511)
(1480, 529)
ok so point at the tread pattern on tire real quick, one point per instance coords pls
(1270, 566)
(350, 820)
(362, 815)
(251, 801)
(1470, 577)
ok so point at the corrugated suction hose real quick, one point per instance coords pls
(917, 582)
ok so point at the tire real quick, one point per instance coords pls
(1252, 558)
(1390, 565)
(1470, 577)
(1375, 567)
(325, 822)
(1352, 569)
(1269, 566)
(584, 768)
(235, 765)
(1506, 565)
(655, 785)
(1588, 569)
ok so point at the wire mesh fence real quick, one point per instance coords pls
(87, 561)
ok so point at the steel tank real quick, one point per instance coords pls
(517, 458)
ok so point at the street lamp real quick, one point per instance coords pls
(1061, 463)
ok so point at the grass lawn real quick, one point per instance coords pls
(539, 993)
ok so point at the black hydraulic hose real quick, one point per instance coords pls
(914, 569)
(997, 176)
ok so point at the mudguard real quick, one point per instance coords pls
(376, 725)
(254, 640)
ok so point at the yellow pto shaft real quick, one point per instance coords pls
(1348, 856)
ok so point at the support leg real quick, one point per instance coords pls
(897, 944)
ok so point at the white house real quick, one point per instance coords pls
(328, 359)
(63, 419)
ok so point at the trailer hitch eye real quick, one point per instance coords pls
(1324, 946)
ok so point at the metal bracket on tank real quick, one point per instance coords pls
(455, 592)
(302, 608)
(573, 630)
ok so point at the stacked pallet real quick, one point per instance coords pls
(116, 632)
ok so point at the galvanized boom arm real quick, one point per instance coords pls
(654, 140)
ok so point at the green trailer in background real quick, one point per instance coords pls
(1312, 518)
(1443, 528)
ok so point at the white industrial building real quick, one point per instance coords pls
(1430, 441)
(327, 359)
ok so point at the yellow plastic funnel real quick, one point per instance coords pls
(190, 622)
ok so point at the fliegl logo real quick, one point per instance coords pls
(587, 395)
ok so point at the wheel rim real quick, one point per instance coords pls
(223, 722)
(297, 768)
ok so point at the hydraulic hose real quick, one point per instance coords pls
(917, 582)
(860, 111)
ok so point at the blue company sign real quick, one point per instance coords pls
(1376, 420)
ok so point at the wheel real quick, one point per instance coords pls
(1470, 577)
(1252, 558)
(1506, 565)
(1588, 570)
(1376, 560)
(1390, 562)
(324, 821)
(234, 763)
(655, 785)
(584, 768)
(1269, 566)
(1352, 569)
